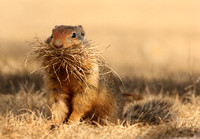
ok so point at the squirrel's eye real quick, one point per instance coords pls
(74, 35)
(82, 34)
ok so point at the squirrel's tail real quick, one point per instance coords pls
(153, 110)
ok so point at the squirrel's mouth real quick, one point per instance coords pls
(65, 47)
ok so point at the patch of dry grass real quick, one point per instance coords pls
(26, 115)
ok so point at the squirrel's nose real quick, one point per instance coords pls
(58, 44)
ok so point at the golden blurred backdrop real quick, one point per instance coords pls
(146, 35)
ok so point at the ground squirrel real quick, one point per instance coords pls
(80, 83)
(82, 86)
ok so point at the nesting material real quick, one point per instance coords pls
(74, 59)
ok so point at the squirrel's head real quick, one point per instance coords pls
(66, 36)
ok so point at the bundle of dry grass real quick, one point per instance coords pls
(74, 60)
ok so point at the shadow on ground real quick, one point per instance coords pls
(12, 83)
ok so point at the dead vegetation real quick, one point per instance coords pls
(72, 59)
(24, 114)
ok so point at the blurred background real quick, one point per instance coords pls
(145, 37)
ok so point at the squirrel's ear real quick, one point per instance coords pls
(56, 26)
(80, 26)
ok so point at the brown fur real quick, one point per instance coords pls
(95, 96)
